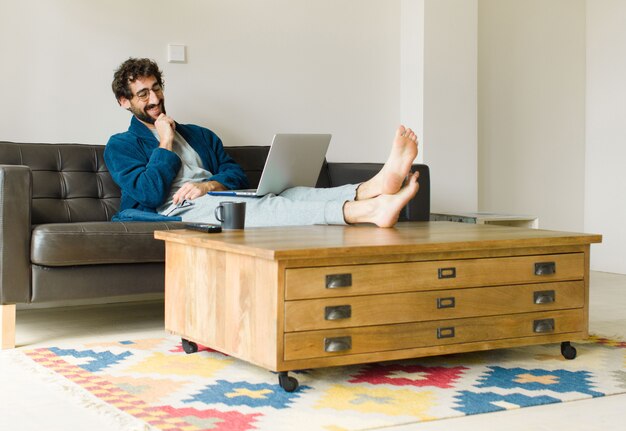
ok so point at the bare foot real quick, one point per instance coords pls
(382, 210)
(390, 178)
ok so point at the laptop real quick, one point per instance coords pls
(293, 160)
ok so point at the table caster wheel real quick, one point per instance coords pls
(289, 384)
(567, 350)
(189, 346)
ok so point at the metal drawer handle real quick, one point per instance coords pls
(445, 332)
(446, 302)
(338, 312)
(337, 344)
(545, 268)
(543, 326)
(334, 281)
(446, 273)
(544, 297)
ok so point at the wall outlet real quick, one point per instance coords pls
(176, 53)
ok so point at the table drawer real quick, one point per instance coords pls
(317, 344)
(327, 313)
(334, 281)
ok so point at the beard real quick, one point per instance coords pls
(142, 114)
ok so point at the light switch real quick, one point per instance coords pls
(176, 53)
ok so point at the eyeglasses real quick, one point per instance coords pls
(144, 94)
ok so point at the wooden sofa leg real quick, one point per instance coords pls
(7, 326)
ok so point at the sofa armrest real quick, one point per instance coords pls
(15, 229)
(418, 208)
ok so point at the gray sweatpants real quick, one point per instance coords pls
(294, 206)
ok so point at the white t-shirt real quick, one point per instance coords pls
(191, 169)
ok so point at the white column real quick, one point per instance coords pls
(450, 103)
(412, 68)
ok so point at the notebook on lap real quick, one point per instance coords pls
(293, 160)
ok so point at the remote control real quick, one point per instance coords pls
(204, 227)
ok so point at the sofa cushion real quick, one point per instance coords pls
(91, 243)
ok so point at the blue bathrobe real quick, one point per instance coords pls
(145, 172)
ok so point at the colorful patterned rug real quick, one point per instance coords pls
(154, 382)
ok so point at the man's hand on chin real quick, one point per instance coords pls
(165, 128)
(191, 191)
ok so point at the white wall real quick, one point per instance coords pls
(605, 181)
(254, 68)
(532, 109)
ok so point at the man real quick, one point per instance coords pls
(167, 168)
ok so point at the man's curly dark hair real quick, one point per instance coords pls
(129, 71)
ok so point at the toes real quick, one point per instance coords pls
(413, 176)
(405, 132)
(411, 135)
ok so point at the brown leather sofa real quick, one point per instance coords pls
(56, 238)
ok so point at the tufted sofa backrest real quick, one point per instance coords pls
(70, 182)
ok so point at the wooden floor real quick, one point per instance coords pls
(21, 394)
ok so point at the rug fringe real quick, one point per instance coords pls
(614, 340)
(120, 420)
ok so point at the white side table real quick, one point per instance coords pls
(515, 220)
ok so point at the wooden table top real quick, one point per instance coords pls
(406, 237)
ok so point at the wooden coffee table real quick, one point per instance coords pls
(316, 296)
